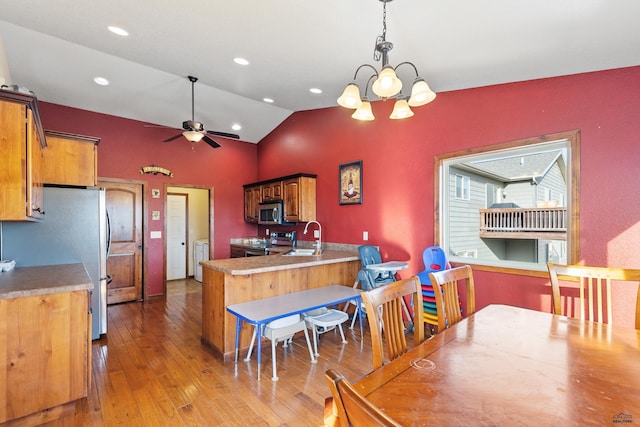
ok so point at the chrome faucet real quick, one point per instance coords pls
(319, 241)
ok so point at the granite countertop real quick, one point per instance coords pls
(47, 279)
(263, 264)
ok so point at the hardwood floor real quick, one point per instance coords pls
(152, 370)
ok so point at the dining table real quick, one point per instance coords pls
(512, 366)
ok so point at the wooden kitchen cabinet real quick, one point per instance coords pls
(298, 193)
(236, 251)
(299, 199)
(251, 202)
(21, 145)
(45, 360)
(70, 159)
(271, 191)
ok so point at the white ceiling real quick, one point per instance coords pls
(56, 48)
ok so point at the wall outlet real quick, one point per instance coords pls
(266, 232)
(365, 235)
(316, 234)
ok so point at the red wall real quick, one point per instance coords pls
(127, 145)
(398, 159)
(398, 168)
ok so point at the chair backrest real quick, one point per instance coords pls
(369, 255)
(370, 279)
(435, 259)
(385, 306)
(595, 289)
(353, 408)
(448, 300)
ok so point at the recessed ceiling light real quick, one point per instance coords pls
(101, 81)
(241, 61)
(236, 126)
(269, 100)
(117, 30)
(315, 90)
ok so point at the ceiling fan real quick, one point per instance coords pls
(195, 131)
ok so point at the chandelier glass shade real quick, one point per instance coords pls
(401, 110)
(364, 111)
(387, 84)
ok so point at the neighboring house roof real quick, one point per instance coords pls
(521, 167)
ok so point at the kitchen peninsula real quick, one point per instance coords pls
(236, 280)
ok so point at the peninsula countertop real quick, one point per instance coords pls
(263, 264)
(46, 279)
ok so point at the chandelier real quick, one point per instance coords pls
(386, 85)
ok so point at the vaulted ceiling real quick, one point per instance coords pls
(56, 48)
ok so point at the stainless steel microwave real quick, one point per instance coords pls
(271, 213)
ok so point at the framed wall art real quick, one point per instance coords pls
(350, 177)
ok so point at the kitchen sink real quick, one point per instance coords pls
(303, 252)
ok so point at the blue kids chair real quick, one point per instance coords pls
(434, 259)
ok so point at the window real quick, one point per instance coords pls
(512, 206)
(462, 187)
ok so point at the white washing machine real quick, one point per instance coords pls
(200, 253)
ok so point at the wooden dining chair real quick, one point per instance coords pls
(448, 299)
(384, 306)
(353, 409)
(595, 289)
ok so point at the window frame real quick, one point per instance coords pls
(573, 195)
(465, 187)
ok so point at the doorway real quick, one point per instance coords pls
(197, 224)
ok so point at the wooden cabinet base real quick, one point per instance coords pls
(43, 417)
(45, 356)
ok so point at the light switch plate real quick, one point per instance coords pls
(316, 234)
(365, 235)
(156, 234)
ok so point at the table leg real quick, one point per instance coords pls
(359, 305)
(238, 328)
(259, 337)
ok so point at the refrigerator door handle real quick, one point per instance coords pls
(108, 233)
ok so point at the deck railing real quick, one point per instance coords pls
(532, 223)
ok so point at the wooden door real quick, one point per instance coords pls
(124, 265)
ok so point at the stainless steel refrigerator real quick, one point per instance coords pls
(74, 229)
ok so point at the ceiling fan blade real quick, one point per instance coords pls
(173, 137)
(210, 141)
(223, 134)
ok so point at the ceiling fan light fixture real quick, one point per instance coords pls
(192, 135)
(364, 111)
(350, 97)
(401, 110)
(421, 93)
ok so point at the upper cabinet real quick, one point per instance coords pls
(251, 201)
(298, 193)
(21, 149)
(70, 159)
(299, 199)
(271, 191)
